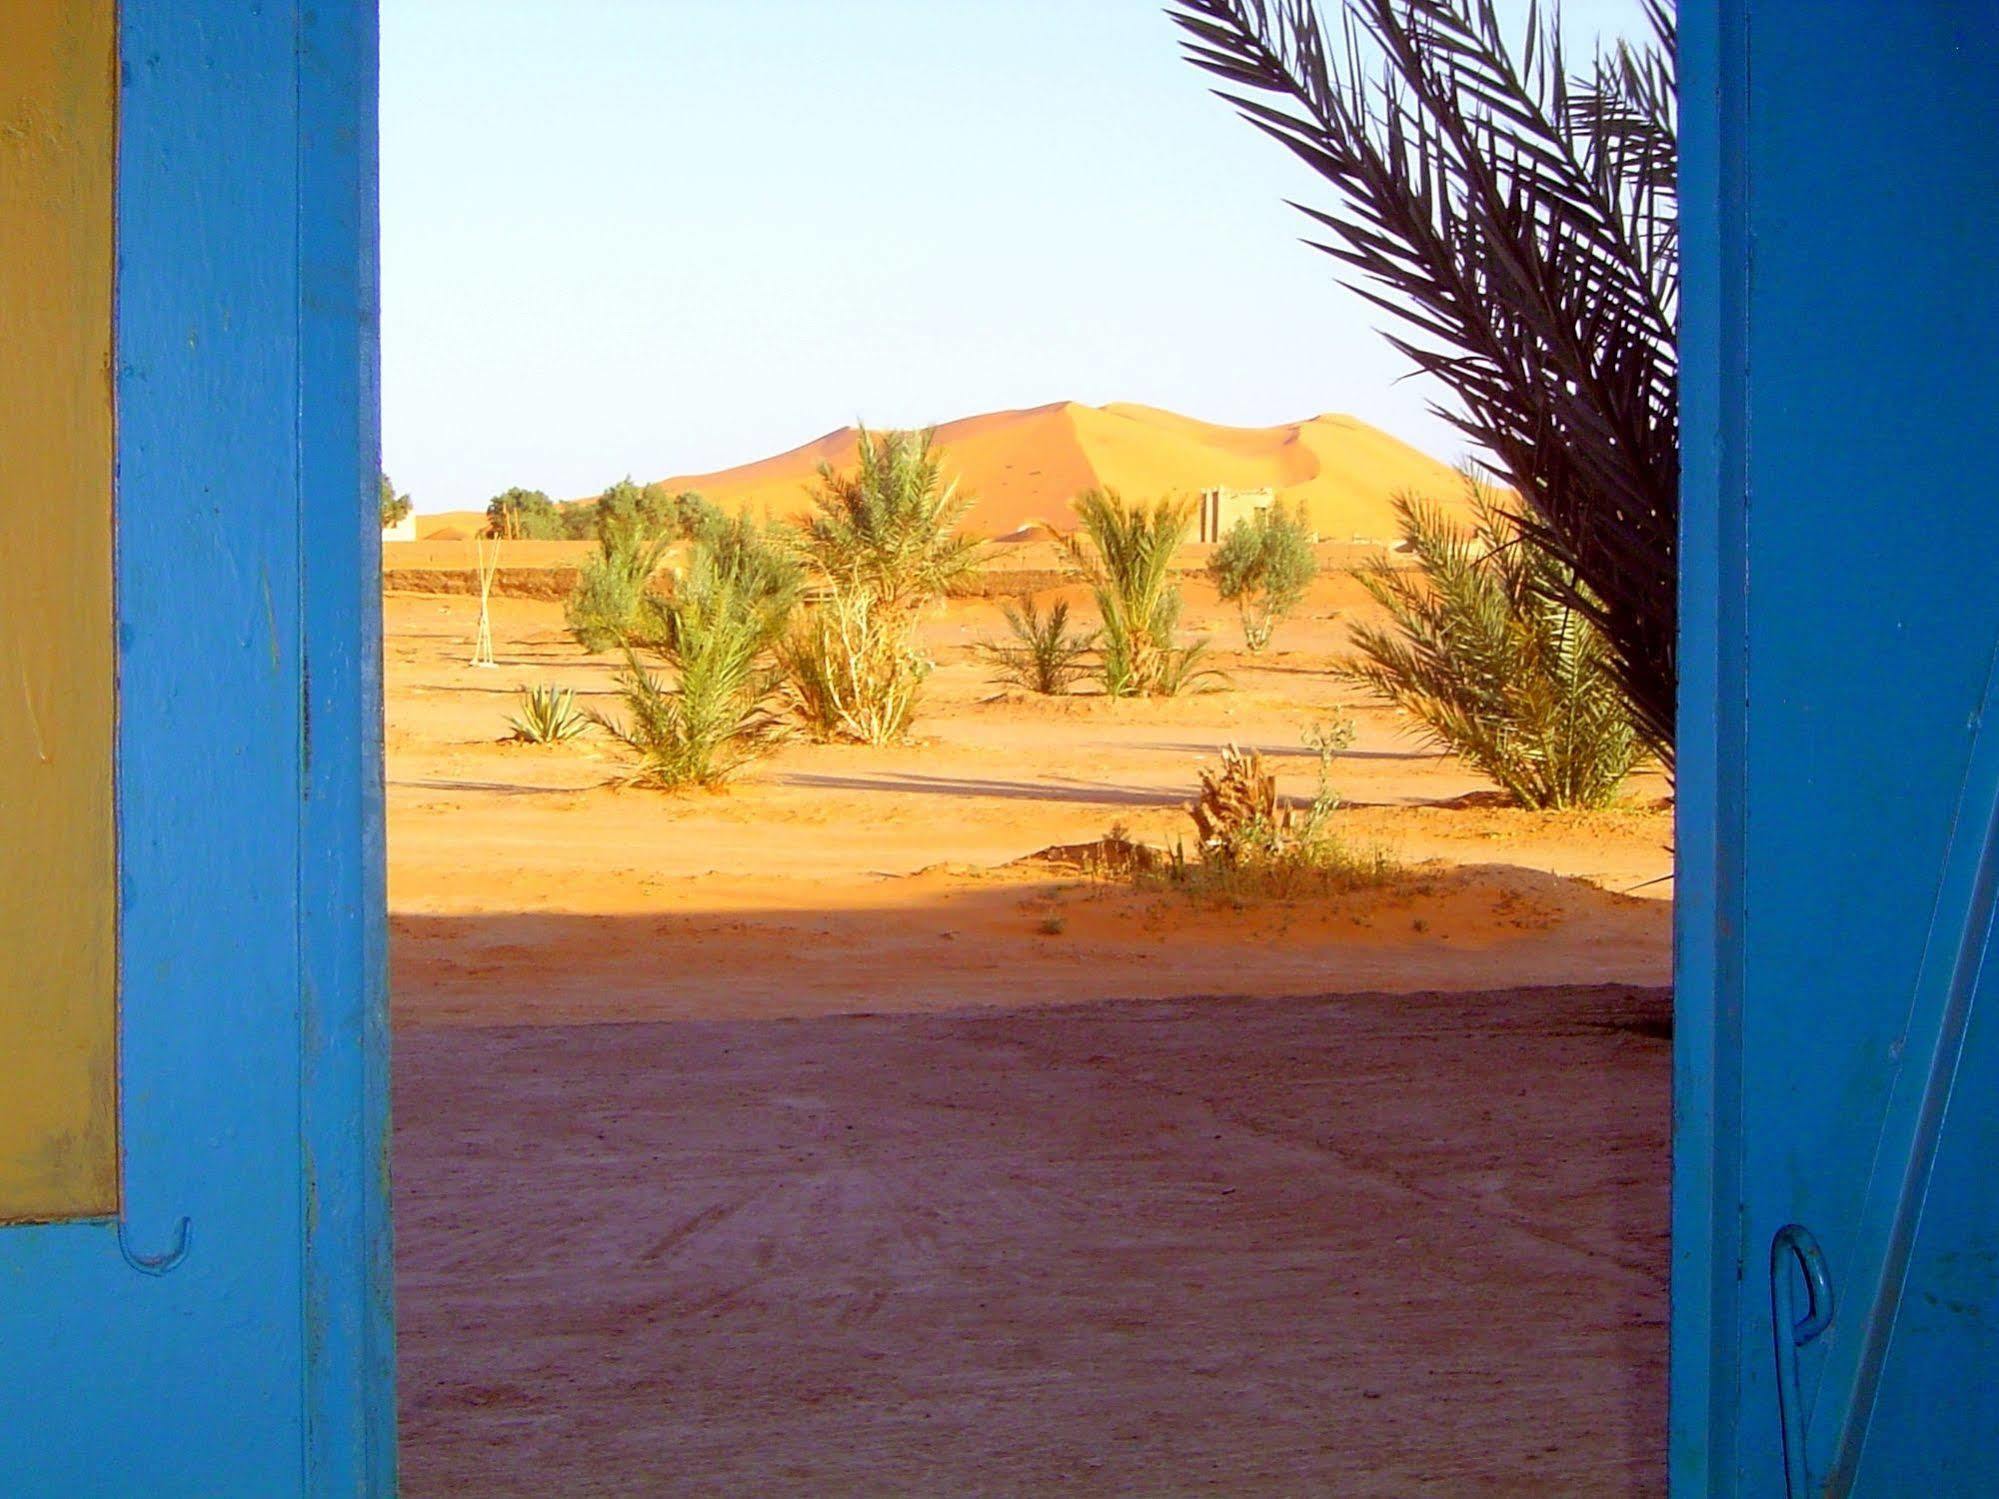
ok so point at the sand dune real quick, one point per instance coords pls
(1026, 466)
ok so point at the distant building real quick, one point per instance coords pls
(1222, 508)
(402, 530)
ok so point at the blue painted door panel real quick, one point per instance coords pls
(1836, 1071)
(253, 1054)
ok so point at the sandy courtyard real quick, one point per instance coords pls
(819, 1137)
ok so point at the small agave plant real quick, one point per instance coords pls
(548, 715)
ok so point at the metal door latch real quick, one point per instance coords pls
(1794, 1329)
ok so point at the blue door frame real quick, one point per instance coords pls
(1836, 1078)
(1835, 1236)
(229, 1332)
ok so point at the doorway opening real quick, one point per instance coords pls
(931, 1104)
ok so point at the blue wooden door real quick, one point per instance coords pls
(1836, 1253)
(200, 1308)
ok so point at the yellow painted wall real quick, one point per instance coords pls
(58, 873)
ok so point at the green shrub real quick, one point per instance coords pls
(852, 670)
(394, 506)
(627, 515)
(890, 528)
(885, 539)
(762, 559)
(1486, 657)
(723, 706)
(524, 515)
(1126, 552)
(1044, 655)
(613, 603)
(1263, 567)
(548, 715)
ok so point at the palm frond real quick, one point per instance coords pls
(1519, 221)
(1126, 552)
(1491, 663)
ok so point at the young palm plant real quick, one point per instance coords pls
(1521, 222)
(1044, 656)
(1126, 551)
(890, 527)
(1489, 658)
(723, 705)
(885, 539)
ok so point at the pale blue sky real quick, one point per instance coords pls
(666, 236)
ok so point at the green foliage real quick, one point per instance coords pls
(723, 705)
(523, 515)
(885, 538)
(762, 559)
(694, 514)
(1263, 567)
(548, 715)
(852, 670)
(1126, 552)
(1487, 656)
(613, 603)
(1044, 656)
(394, 506)
(628, 516)
(1522, 221)
(890, 528)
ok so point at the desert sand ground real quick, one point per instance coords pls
(817, 1136)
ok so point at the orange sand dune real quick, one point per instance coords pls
(1026, 466)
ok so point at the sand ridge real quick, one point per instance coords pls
(1024, 467)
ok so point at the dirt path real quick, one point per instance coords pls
(1354, 1245)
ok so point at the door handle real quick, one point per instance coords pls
(1792, 1329)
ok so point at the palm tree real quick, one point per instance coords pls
(1484, 654)
(1126, 551)
(890, 527)
(1521, 223)
(722, 706)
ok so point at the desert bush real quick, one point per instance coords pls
(852, 670)
(1253, 842)
(723, 706)
(762, 559)
(614, 603)
(890, 528)
(547, 715)
(394, 506)
(1486, 655)
(1263, 567)
(628, 515)
(1240, 819)
(1044, 655)
(1126, 552)
(1250, 843)
(524, 515)
(1238, 815)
